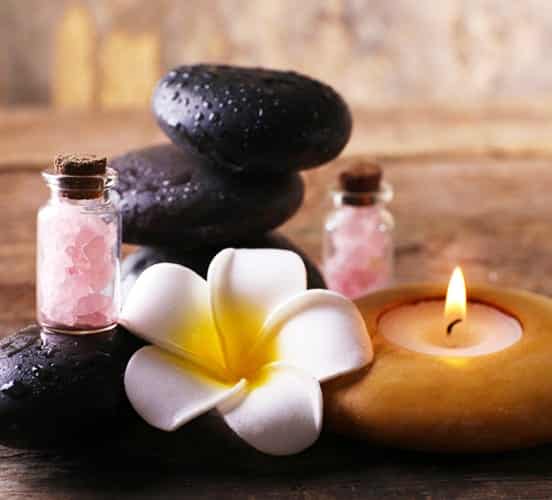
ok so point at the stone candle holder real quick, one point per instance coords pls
(489, 403)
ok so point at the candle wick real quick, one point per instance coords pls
(452, 325)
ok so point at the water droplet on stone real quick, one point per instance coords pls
(214, 117)
(198, 117)
(175, 96)
(14, 389)
(261, 112)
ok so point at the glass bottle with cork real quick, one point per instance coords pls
(358, 233)
(79, 247)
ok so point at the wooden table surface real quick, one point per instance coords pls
(476, 199)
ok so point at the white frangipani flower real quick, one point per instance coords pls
(250, 341)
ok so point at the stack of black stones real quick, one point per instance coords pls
(240, 137)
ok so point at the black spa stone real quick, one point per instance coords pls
(199, 259)
(174, 197)
(65, 395)
(63, 390)
(252, 120)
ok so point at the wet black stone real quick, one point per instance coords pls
(60, 389)
(255, 120)
(199, 260)
(80, 413)
(14, 389)
(174, 197)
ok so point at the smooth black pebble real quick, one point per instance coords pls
(199, 260)
(63, 389)
(174, 197)
(65, 394)
(252, 120)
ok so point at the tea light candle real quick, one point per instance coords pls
(447, 328)
(453, 371)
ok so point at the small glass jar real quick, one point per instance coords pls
(79, 248)
(358, 233)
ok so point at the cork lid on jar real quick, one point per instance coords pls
(361, 178)
(361, 183)
(80, 164)
(80, 176)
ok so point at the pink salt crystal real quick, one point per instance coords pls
(79, 268)
(360, 254)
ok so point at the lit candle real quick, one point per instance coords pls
(457, 370)
(452, 327)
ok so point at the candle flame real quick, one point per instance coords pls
(455, 305)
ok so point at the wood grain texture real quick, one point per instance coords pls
(490, 214)
(32, 137)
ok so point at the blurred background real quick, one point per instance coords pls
(452, 97)
(108, 54)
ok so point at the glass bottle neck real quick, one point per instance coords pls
(58, 195)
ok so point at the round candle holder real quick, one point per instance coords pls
(407, 399)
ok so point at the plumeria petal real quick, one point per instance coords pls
(168, 391)
(281, 413)
(319, 331)
(245, 286)
(169, 307)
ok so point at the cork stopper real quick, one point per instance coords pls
(80, 164)
(79, 176)
(361, 178)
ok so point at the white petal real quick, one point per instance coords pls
(168, 391)
(321, 332)
(245, 286)
(169, 306)
(281, 413)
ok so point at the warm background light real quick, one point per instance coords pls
(108, 53)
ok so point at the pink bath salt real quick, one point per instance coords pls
(78, 269)
(360, 255)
